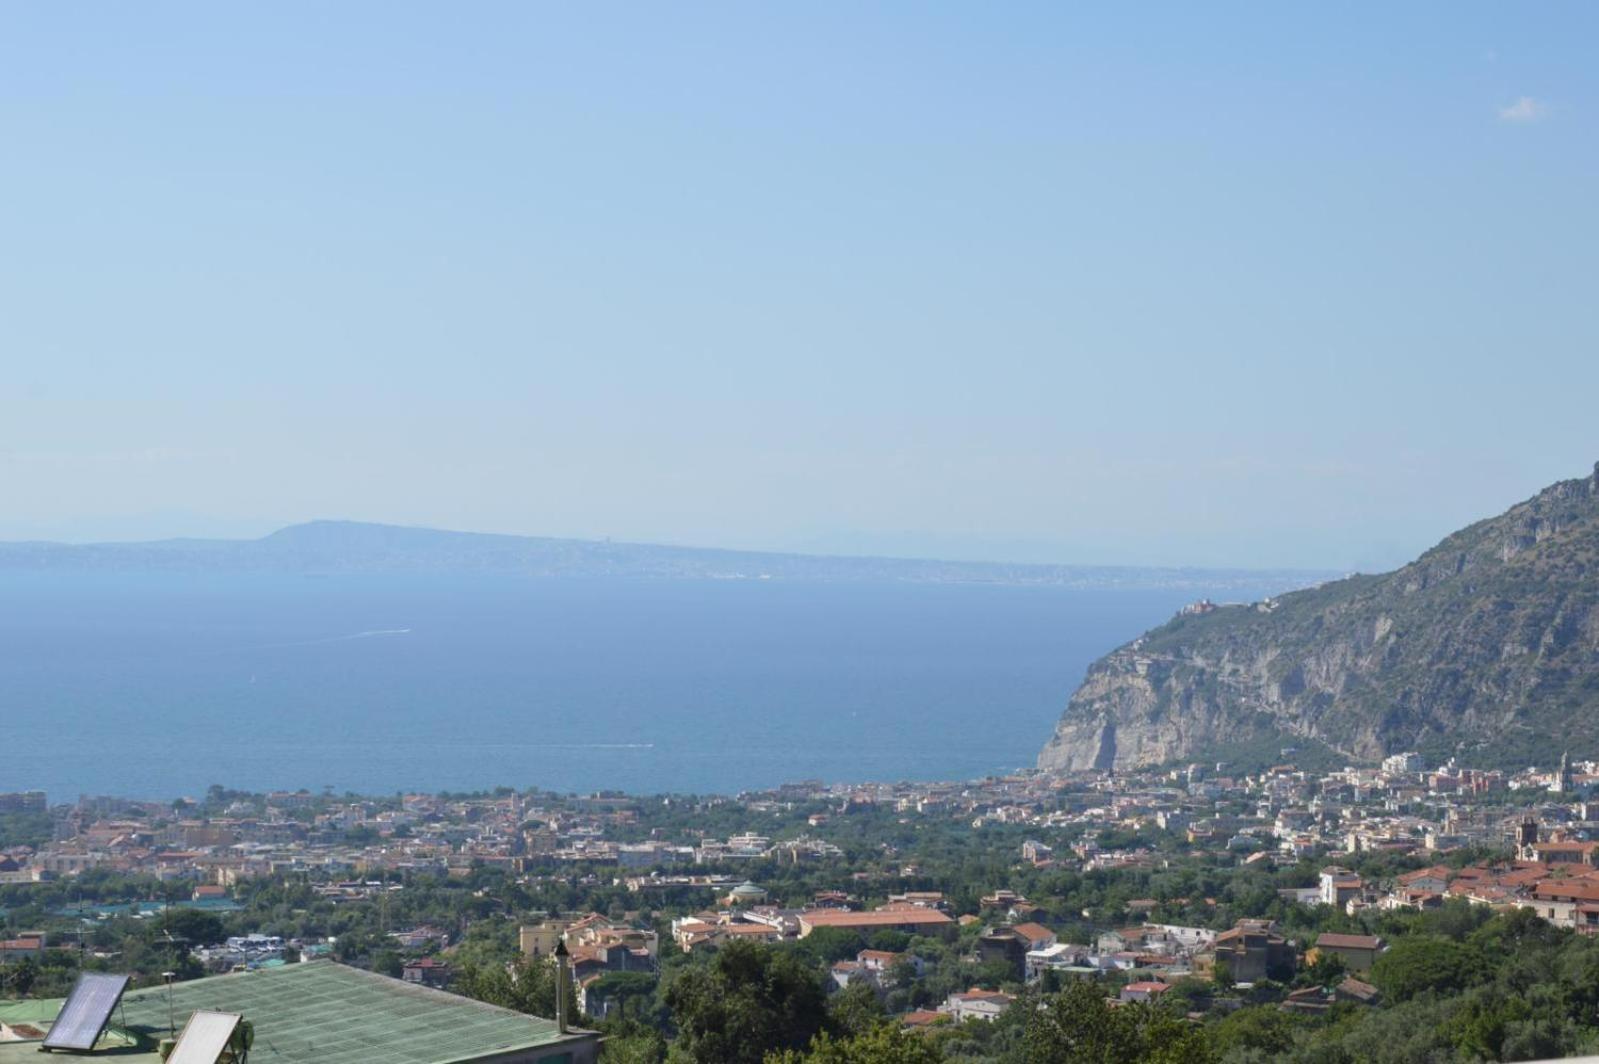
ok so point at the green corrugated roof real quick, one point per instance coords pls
(333, 1014)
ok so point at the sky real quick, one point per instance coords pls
(1220, 284)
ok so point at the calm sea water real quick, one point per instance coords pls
(158, 686)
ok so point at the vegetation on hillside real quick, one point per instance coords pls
(1486, 648)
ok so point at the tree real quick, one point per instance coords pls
(1187, 995)
(1079, 1025)
(902, 973)
(199, 927)
(1480, 1029)
(387, 962)
(1268, 1030)
(526, 985)
(1329, 970)
(748, 1001)
(623, 986)
(996, 974)
(24, 829)
(855, 1009)
(1419, 964)
(885, 1043)
(19, 978)
(631, 1043)
(829, 944)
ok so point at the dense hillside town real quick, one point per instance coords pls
(1280, 908)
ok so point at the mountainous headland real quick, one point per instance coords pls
(341, 547)
(1486, 647)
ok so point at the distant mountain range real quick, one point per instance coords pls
(1486, 646)
(334, 547)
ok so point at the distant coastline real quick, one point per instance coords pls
(323, 548)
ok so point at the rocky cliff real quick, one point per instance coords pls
(1487, 645)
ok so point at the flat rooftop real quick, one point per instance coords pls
(324, 1012)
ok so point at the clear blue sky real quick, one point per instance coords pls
(1195, 283)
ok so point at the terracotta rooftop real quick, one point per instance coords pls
(1334, 940)
(876, 918)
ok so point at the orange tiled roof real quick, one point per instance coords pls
(876, 918)
(1574, 889)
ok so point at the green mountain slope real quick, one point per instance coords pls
(1487, 646)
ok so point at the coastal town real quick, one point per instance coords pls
(944, 903)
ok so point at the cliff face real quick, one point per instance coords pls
(1486, 644)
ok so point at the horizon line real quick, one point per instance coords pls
(649, 544)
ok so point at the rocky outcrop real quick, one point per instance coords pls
(1488, 644)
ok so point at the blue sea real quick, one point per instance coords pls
(160, 685)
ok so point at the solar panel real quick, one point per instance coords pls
(204, 1037)
(87, 1011)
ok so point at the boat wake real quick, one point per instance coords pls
(583, 746)
(369, 634)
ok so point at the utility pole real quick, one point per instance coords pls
(172, 1020)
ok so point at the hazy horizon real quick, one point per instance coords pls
(903, 545)
(910, 544)
(820, 550)
(1158, 286)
